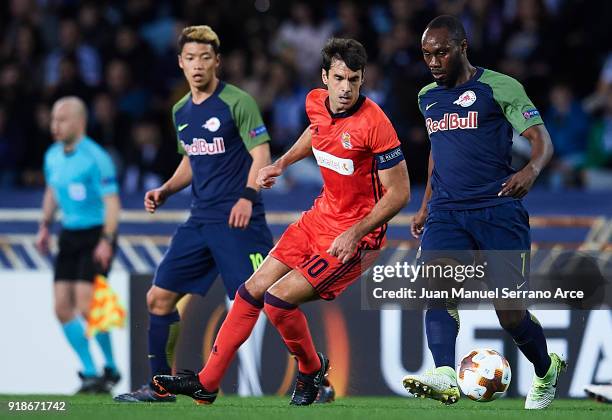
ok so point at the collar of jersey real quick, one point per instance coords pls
(472, 79)
(349, 111)
(216, 92)
(76, 146)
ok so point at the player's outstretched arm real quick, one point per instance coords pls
(49, 207)
(300, 149)
(418, 221)
(397, 186)
(179, 180)
(541, 151)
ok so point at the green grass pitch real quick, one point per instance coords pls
(268, 408)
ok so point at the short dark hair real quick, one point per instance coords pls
(348, 50)
(453, 24)
(202, 34)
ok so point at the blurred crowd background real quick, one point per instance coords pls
(120, 57)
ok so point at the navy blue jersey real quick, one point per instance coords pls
(470, 130)
(217, 135)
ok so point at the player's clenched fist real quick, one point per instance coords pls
(267, 175)
(154, 199)
(418, 223)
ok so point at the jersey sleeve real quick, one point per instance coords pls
(179, 146)
(315, 104)
(421, 96)
(384, 143)
(249, 122)
(46, 166)
(510, 94)
(106, 175)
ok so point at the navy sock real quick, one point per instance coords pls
(442, 327)
(163, 333)
(529, 337)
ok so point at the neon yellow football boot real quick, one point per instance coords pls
(543, 390)
(439, 384)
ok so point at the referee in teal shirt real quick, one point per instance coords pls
(81, 181)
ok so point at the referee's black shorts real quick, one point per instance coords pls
(75, 258)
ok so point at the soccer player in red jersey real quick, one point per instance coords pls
(365, 185)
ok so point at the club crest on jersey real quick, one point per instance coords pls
(200, 147)
(212, 124)
(346, 140)
(452, 122)
(466, 99)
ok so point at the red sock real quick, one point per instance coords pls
(234, 331)
(293, 328)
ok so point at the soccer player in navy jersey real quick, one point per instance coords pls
(224, 143)
(473, 197)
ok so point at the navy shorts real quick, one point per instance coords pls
(199, 252)
(499, 234)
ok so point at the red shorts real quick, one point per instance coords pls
(305, 250)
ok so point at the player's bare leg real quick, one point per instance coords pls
(293, 288)
(161, 301)
(236, 328)
(64, 301)
(270, 271)
(83, 294)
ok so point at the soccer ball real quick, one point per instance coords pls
(483, 375)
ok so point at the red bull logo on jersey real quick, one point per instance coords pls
(202, 147)
(453, 122)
